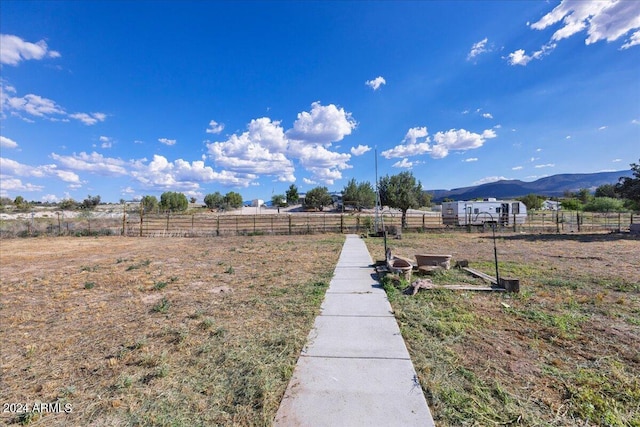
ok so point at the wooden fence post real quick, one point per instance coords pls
(124, 217)
(192, 219)
(341, 224)
(141, 216)
(218, 225)
(619, 222)
(578, 220)
(289, 224)
(167, 227)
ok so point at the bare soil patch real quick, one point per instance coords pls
(172, 331)
(564, 351)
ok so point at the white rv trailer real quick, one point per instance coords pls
(487, 211)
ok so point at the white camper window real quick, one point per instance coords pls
(515, 208)
(476, 211)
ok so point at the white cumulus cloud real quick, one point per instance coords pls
(89, 119)
(457, 140)
(15, 184)
(322, 125)
(15, 49)
(13, 167)
(517, 168)
(34, 105)
(258, 151)
(38, 106)
(360, 150)
(478, 48)
(548, 165)
(376, 83)
(93, 162)
(471, 159)
(215, 127)
(404, 163)
(167, 141)
(415, 143)
(607, 20)
(7, 142)
(487, 116)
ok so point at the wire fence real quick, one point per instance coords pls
(210, 224)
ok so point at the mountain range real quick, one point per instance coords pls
(550, 186)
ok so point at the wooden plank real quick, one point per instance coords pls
(465, 288)
(480, 274)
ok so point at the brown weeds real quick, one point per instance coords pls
(172, 331)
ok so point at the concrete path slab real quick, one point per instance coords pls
(356, 304)
(353, 392)
(333, 337)
(355, 369)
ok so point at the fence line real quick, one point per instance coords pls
(207, 224)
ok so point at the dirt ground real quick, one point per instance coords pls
(175, 331)
(564, 351)
(206, 331)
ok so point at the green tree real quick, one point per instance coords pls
(192, 200)
(232, 200)
(359, 195)
(401, 192)
(68, 204)
(149, 203)
(604, 204)
(629, 188)
(292, 195)
(571, 204)
(214, 200)
(532, 201)
(606, 190)
(584, 195)
(425, 201)
(90, 202)
(173, 201)
(20, 203)
(278, 200)
(318, 198)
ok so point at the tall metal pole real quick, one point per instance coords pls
(495, 249)
(495, 253)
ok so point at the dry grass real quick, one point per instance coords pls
(565, 351)
(169, 331)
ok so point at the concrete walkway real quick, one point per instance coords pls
(355, 369)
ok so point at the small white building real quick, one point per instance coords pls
(256, 203)
(551, 205)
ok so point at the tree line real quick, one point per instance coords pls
(401, 191)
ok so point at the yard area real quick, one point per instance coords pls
(171, 331)
(207, 331)
(564, 351)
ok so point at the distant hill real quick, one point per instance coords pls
(551, 186)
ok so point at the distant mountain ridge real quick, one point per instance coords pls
(551, 186)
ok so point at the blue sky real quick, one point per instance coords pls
(123, 99)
